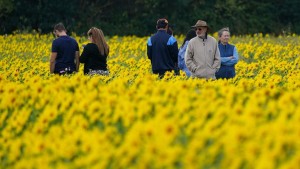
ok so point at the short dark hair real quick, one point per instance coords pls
(60, 27)
(162, 23)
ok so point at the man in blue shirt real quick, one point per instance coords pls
(65, 52)
(162, 50)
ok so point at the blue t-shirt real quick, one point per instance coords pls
(65, 47)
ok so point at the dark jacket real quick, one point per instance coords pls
(92, 58)
(162, 50)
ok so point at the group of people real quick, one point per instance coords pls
(65, 57)
(199, 56)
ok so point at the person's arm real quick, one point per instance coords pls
(175, 52)
(188, 58)
(181, 53)
(52, 61)
(217, 59)
(149, 49)
(77, 60)
(235, 54)
(84, 55)
(54, 50)
(225, 59)
(181, 58)
(175, 57)
(233, 59)
(173, 48)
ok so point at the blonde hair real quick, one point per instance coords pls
(98, 38)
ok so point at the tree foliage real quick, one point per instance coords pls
(138, 17)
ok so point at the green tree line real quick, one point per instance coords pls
(138, 17)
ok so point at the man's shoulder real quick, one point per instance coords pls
(64, 38)
(161, 34)
(171, 40)
(193, 40)
(158, 36)
(211, 38)
(57, 40)
(72, 38)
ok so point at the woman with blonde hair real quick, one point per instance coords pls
(94, 55)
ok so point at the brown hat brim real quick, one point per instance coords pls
(199, 26)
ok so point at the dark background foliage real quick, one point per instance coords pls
(138, 17)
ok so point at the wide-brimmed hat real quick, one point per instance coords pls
(200, 23)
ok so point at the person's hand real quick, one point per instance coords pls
(231, 57)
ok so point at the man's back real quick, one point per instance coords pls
(65, 47)
(162, 51)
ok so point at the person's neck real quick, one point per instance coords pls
(224, 43)
(202, 36)
(62, 34)
(162, 29)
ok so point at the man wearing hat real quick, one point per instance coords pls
(162, 49)
(202, 56)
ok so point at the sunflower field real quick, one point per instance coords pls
(131, 119)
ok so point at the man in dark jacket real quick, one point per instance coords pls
(162, 49)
